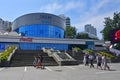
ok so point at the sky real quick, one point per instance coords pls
(81, 12)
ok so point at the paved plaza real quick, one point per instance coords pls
(78, 72)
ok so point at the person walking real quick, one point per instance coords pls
(85, 60)
(38, 65)
(99, 61)
(91, 58)
(41, 59)
(35, 61)
(102, 60)
(106, 62)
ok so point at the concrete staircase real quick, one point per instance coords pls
(77, 56)
(26, 58)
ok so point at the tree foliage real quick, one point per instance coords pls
(110, 24)
(82, 36)
(70, 32)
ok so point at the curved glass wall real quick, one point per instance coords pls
(43, 31)
(41, 25)
(40, 30)
(38, 46)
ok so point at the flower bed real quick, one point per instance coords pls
(107, 54)
(5, 55)
(88, 51)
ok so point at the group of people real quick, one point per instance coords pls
(38, 61)
(101, 60)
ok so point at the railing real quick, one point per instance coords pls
(60, 57)
(11, 55)
(6, 57)
(100, 48)
(115, 51)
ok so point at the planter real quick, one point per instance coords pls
(4, 64)
(116, 60)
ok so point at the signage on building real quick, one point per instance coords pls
(115, 35)
(45, 21)
(45, 17)
(26, 39)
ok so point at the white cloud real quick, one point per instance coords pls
(94, 18)
(62, 8)
(73, 5)
(51, 7)
(91, 16)
(96, 21)
(97, 6)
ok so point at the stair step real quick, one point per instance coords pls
(23, 58)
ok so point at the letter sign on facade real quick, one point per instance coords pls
(26, 39)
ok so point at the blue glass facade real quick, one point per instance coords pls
(38, 46)
(2, 46)
(90, 44)
(39, 30)
(41, 25)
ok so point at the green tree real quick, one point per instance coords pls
(82, 36)
(110, 24)
(70, 32)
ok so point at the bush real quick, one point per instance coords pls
(5, 54)
(77, 49)
(107, 54)
(89, 51)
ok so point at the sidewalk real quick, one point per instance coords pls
(79, 72)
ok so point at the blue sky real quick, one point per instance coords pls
(81, 12)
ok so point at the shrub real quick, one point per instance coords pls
(107, 54)
(89, 51)
(77, 49)
(5, 54)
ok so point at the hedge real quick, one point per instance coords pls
(107, 54)
(5, 54)
(88, 51)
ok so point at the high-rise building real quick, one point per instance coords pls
(90, 29)
(67, 21)
(5, 25)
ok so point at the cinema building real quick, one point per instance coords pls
(40, 30)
